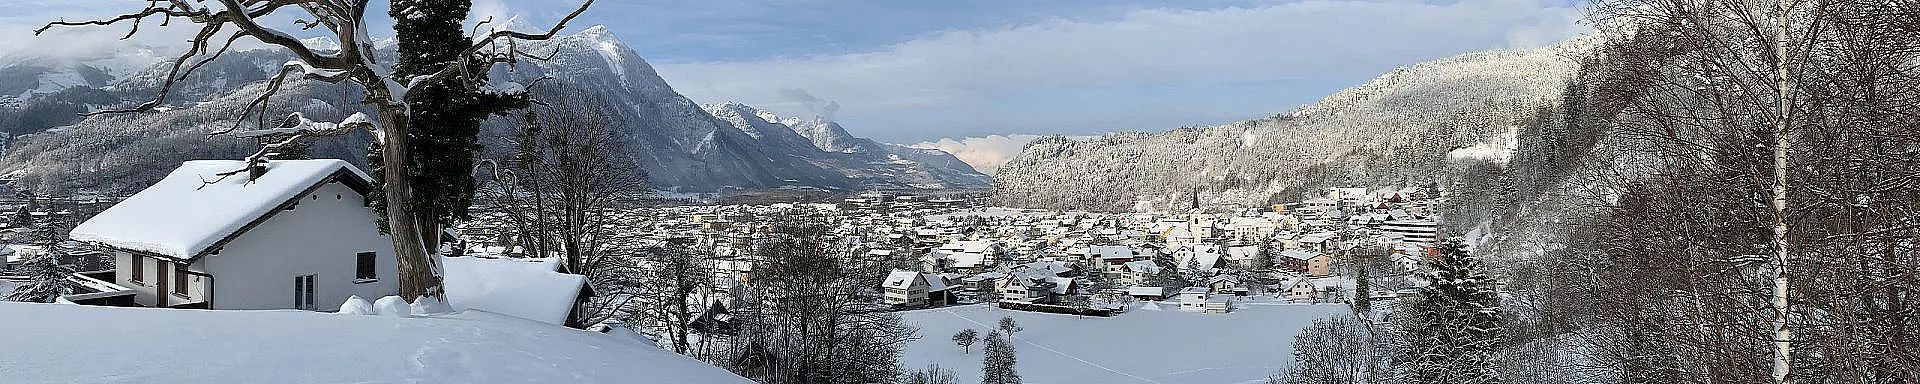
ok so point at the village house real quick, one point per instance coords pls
(1302, 290)
(1321, 265)
(1147, 293)
(1227, 284)
(1138, 272)
(1194, 298)
(284, 234)
(905, 289)
(1295, 260)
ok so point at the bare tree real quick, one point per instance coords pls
(563, 190)
(225, 22)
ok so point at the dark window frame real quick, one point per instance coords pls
(139, 270)
(366, 267)
(180, 279)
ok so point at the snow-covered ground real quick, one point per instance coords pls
(1140, 346)
(57, 343)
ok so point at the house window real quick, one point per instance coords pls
(303, 292)
(363, 268)
(180, 279)
(139, 269)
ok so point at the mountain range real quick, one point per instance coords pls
(681, 146)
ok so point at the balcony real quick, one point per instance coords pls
(96, 288)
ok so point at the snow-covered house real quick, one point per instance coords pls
(1147, 293)
(969, 256)
(1303, 290)
(1111, 257)
(1206, 256)
(1226, 284)
(905, 288)
(1295, 259)
(223, 235)
(1138, 272)
(1194, 298)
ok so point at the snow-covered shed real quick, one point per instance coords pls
(225, 235)
(529, 288)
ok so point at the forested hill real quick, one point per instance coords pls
(1402, 128)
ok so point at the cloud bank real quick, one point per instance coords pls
(985, 154)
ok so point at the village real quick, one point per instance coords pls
(945, 250)
(939, 250)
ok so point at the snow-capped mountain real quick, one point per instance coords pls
(681, 146)
(1407, 127)
(864, 161)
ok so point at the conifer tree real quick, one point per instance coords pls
(446, 114)
(49, 280)
(1362, 292)
(1454, 327)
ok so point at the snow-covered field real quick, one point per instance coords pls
(60, 343)
(1140, 346)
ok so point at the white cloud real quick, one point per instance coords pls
(985, 154)
(956, 71)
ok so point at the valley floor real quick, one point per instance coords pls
(1143, 345)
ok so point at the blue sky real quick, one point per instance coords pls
(910, 71)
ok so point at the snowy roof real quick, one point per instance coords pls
(900, 279)
(526, 288)
(1146, 291)
(1206, 255)
(312, 347)
(1054, 268)
(1110, 252)
(1143, 266)
(1297, 254)
(194, 209)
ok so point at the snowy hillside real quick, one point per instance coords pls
(1397, 129)
(682, 146)
(56, 343)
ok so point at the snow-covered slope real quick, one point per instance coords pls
(59, 343)
(680, 145)
(1396, 129)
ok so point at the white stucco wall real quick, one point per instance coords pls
(321, 237)
(144, 291)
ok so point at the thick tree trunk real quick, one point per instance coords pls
(417, 275)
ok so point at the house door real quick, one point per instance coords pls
(160, 280)
(303, 292)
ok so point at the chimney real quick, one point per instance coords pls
(256, 168)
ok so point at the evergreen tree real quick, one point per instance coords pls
(1362, 292)
(965, 339)
(999, 365)
(1168, 278)
(49, 280)
(445, 125)
(1192, 274)
(1454, 327)
(1263, 260)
